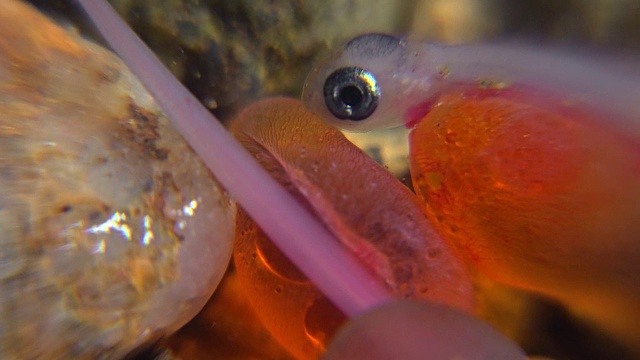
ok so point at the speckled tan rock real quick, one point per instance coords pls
(112, 232)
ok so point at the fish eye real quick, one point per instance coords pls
(351, 93)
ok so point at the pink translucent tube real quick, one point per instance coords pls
(305, 241)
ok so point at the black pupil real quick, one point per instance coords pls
(351, 95)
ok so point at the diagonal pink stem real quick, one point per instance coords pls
(298, 234)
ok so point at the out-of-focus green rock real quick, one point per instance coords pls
(231, 52)
(237, 51)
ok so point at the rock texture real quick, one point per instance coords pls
(112, 232)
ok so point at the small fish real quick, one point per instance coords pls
(527, 161)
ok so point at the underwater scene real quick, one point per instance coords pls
(452, 179)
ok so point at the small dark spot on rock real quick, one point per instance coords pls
(95, 215)
(162, 154)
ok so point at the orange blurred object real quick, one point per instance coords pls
(537, 194)
(297, 314)
(372, 214)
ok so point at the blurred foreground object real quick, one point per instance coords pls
(412, 331)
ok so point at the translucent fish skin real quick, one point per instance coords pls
(371, 213)
(413, 73)
(112, 231)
